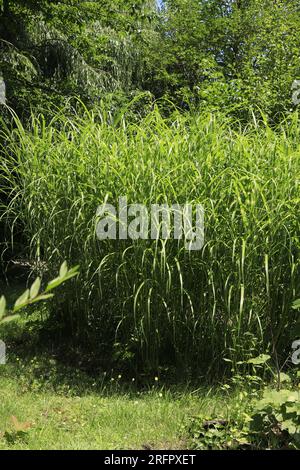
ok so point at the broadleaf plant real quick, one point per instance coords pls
(34, 295)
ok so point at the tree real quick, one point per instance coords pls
(53, 49)
(228, 54)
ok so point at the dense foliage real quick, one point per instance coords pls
(237, 54)
(261, 418)
(172, 105)
(148, 302)
(53, 49)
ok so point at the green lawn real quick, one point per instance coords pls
(93, 421)
(46, 403)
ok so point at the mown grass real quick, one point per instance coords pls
(150, 304)
(92, 421)
(46, 404)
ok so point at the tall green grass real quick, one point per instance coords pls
(152, 303)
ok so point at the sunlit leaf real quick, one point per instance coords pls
(22, 300)
(296, 304)
(35, 288)
(2, 306)
(63, 269)
(259, 360)
(10, 318)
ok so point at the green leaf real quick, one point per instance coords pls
(21, 301)
(284, 377)
(63, 269)
(59, 280)
(259, 360)
(10, 318)
(41, 297)
(35, 288)
(296, 304)
(54, 283)
(2, 306)
(289, 426)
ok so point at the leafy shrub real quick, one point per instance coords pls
(270, 421)
(276, 419)
(34, 294)
(217, 434)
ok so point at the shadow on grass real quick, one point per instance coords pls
(40, 361)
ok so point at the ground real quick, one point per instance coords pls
(90, 422)
(46, 403)
(41, 419)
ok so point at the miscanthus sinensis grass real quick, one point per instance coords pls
(152, 303)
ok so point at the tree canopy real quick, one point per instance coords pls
(216, 54)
